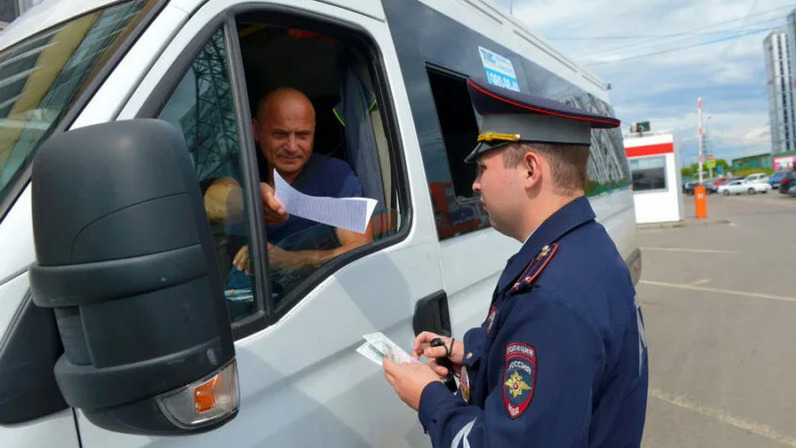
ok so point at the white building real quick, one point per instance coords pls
(780, 90)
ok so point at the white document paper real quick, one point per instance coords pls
(346, 213)
(379, 346)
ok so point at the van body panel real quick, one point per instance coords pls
(486, 19)
(305, 367)
(11, 294)
(616, 213)
(54, 430)
(16, 239)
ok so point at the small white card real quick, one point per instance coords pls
(379, 346)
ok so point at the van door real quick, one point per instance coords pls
(45, 77)
(298, 326)
(25, 348)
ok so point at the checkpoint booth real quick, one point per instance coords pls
(654, 168)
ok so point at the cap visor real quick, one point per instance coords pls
(481, 148)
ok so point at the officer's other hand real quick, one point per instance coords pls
(275, 212)
(409, 380)
(438, 369)
(423, 347)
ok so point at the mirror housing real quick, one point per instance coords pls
(125, 259)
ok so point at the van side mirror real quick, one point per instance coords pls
(125, 259)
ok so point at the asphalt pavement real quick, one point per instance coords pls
(719, 302)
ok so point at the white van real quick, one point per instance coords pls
(137, 331)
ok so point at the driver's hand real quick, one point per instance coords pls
(275, 212)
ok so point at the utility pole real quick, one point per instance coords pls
(699, 116)
(700, 197)
(708, 144)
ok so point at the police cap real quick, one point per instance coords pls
(510, 116)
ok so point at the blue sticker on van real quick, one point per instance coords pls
(499, 70)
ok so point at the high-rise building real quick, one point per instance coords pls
(791, 32)
(780, 91)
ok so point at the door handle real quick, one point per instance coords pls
(431, 314)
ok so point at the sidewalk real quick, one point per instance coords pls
(690, 219)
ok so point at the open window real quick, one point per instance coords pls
(456, 207)
(336, 69)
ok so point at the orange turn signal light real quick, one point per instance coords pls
(204, 396)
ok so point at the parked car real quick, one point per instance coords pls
(688, 187)
(710, 186)
(787, 182)
(719, 181)
(792, 192)
(757, 177)
(777, 177)
(743, 186)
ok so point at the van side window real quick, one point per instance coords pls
(334, 145)
(456, 208)
(608, 169)
(202, 108)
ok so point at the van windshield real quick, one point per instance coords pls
(41, 76)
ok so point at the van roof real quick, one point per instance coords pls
(46, 15)
(50, 13)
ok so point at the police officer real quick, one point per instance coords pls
(560, 360)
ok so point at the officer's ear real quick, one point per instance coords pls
(531, 166)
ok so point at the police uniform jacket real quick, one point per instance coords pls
(560, 360)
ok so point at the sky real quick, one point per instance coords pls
(659, 56)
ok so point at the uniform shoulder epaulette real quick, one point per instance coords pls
(535, 267)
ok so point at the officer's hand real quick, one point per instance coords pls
(423, 347)
(274, 211)
(409, 380)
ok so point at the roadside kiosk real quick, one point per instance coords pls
(656, 179)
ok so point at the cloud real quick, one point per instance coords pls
(698, 54)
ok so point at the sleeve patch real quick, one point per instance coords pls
(519, 378)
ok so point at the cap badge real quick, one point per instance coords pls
(490, 136)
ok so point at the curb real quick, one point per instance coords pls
(688, 223)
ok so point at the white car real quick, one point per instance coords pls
(743, 186)
(756, 178)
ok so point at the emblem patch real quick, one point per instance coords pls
(491, 318)
(519, 378)
(464, 384)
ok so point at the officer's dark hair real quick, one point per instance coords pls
(568, 163)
